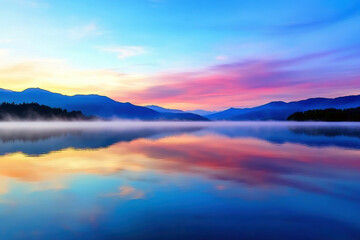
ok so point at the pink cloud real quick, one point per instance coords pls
(253, 82)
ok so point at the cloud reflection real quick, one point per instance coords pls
(127, 191)
(240, 156)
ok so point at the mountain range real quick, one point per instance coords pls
(93, 105)
(282, 110)
(107, 108)
(197, 111)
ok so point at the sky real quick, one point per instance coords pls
(185, 54)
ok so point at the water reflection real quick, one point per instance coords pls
(192, 181)
(36, 141)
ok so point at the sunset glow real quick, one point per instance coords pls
(182, 54)
(179, 119)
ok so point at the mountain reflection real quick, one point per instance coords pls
(342, 136)
(248, 155)
(42, 140)
(35, 141)
(195, 181)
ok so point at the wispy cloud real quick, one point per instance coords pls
(5, 41)
(123, 52)
(221, 57)
(90, 29)
(322, 22)
(295, 26)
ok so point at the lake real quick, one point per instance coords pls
(222, 180)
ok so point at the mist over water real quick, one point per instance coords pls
(162, 124)
(179, 180)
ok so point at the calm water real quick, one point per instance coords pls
(179, 181)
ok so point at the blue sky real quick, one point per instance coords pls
(127, 49)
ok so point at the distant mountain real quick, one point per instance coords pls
(169, 110)
(202, 112)
(163, 110)
(281, 110)
(92, 105)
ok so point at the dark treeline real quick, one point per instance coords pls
(327, 115)
(35, 111)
